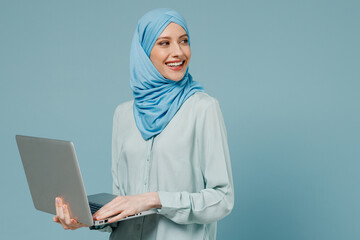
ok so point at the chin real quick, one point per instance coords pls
(176, 78)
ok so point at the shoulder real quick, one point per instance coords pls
(124, 108)
(202, 101)
(123, 114)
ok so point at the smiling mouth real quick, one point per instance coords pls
(175, 64)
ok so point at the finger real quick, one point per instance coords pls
(110, 209)
(108, 206)
(56, 219)
(59, 209)
(118, 217)
(77, 224)
(110, 212)
(74, 224)
(61, 215)
(107, 214)
(57, 204)
(67, 216)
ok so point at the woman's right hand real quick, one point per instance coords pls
(63, 216)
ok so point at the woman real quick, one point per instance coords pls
(169, 147)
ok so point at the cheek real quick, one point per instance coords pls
(187, 52)
(157, 57)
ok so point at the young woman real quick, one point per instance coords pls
(169, 148)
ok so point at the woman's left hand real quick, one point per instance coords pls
(123, 206)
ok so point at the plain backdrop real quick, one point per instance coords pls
(286, 74)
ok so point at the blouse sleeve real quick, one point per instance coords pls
(216, 200)
(114, 154)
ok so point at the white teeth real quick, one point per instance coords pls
(175, 64)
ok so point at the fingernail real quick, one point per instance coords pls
(64, 207)
(57, 200)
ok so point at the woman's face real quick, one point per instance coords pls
(171, 52)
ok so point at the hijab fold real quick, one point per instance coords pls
(156, 99)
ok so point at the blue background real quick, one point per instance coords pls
(286, 74)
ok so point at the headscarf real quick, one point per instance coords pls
(156, 99)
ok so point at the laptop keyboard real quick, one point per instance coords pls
(94, 207)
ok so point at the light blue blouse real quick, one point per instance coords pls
(188, 164)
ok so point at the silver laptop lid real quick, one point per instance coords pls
(52, 170)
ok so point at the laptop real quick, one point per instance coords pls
(52, 170)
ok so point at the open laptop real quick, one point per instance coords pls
(52, 170)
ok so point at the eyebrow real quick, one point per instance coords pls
(166, 37)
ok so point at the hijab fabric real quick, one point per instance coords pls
(156, 99)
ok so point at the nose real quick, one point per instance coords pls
(176, 50)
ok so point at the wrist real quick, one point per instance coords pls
(154, 200)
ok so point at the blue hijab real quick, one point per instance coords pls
(156, 99)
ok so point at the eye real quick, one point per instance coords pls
(163, 43)
(185, 41)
